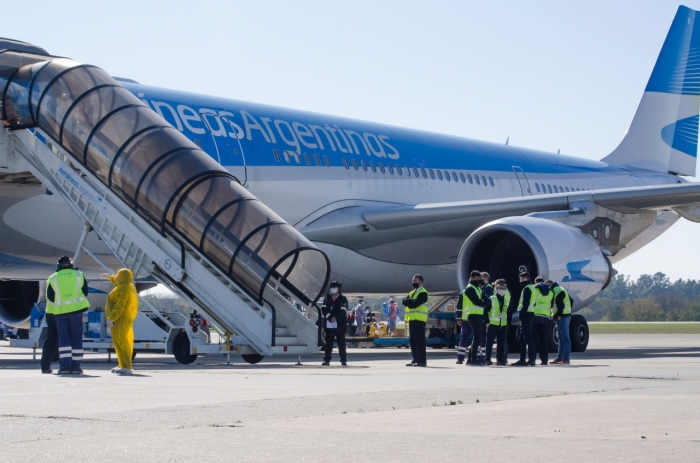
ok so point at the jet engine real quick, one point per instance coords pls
(17, 297)
(542, 247)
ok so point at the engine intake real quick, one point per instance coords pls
(549, 249)
(16, 301)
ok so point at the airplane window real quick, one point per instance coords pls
(439, 175)
(454, 176)
(198, 143)
(469, 176)
(381, 167)
(537, 186)
(372, 166)
(291, 154)
(461, 177)
(364, 166)
(491, 181)
(476, 177)
(549, 188)
(408, 171)
(483, 179)
(354, 164)
(277, 155)
(447, 176)
(432, 174)
(345, 163)
(327, 161)
(398, 169)
(307, 158)
(567, 189)
(317, 159)
(415, 172)
(391, 169)
(423, 172)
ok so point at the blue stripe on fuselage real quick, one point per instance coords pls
(267, 128)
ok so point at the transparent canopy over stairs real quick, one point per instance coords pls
(162, 205)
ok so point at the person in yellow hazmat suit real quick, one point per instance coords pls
(121, 310)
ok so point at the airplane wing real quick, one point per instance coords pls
(433, 233)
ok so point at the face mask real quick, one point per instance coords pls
(416, 285)
(501, 292)
(334, 290)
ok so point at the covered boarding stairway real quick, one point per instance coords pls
(162, 205)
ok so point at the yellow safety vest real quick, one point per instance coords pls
(567, 300)
(543, 304)
(530, 307)
(420, 313)
(498, 315)
(67, 285)
(468, 307)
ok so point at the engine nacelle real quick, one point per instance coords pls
(16, 301)
(550, 249)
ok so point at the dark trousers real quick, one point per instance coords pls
(50, 347)
(542, 340)
(466, 331)
(416, 332)
(527, 340)
(70, 340)
(499, 334)
(477, 324)
(333, 335)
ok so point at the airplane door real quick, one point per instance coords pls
(228, 144)
(522, 179)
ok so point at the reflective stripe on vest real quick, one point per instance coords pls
(67, 285)
(567, 299)
(468, 307)
(420, 313)
(543, 304)
(531, 305)
(498, 315)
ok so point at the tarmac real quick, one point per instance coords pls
(628, 398)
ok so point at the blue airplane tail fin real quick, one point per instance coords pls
(663, 136)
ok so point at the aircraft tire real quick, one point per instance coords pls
(253, 358)
(181, 349)
(579, 333)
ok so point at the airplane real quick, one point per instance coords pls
(385, 202)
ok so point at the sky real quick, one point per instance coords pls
(549, 75)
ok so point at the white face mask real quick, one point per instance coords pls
(501, 292)
(334, 290)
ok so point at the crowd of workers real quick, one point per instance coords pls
(483, 312)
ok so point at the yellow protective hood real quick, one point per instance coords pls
(123, 276)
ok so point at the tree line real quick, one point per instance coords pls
(649, 298)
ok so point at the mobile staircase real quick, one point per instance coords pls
(163, 206)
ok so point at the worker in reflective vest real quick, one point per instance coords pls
(526, 308)
(498, 328)
(417, 316)
(486, 291)
(66, 298)
(544, 300)
(471, 313)
(562, 316)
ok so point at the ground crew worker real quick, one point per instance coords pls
(391, 316)
(472, 307)
(121, 310)
(526, 311)
(562, 315)
(498, 318)
(417, 316)
(487, 291)
(66, 298)
(360, 318)
(335, 309)
(544, 299)
(50, 347)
